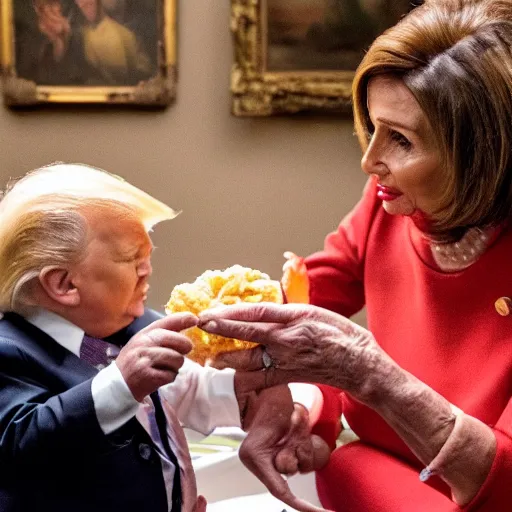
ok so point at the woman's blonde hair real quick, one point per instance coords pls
(455, 56)
(42, 222)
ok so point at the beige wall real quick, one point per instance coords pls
(249, 188)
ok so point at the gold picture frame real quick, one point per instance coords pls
(140, 71)
(260, 88)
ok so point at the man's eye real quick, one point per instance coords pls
(128, 260)
(402, 141)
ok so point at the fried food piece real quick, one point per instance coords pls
(233, 285)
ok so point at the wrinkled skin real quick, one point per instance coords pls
(306, 344)
(279, 442)
(279, 439)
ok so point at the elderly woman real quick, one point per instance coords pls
(427, 388)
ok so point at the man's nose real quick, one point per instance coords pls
(144, 268)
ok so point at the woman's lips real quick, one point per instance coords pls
(387, 193)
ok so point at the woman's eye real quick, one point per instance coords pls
(402, 141)
(370, 130)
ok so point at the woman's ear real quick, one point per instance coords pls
(58, 285)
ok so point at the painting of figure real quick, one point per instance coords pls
(326, 35)
(86, 42)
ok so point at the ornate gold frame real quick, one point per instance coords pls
(257, 92)
(159, 91)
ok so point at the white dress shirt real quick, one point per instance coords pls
(202, 397)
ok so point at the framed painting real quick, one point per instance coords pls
(88, 51)
(300, 55)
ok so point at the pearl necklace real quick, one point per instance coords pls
(453, 256)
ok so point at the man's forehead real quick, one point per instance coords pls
(123, 230)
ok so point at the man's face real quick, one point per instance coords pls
(112, 279)
(89, 9)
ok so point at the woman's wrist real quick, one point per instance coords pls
(471, 444)
(420, 416)
(367, 372)
(425, 420)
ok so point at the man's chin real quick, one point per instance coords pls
(137, 311)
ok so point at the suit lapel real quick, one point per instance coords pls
(50, 352)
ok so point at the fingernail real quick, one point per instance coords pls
(425, 474)
(209, 325)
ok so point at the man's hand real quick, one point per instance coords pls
(279, 441)
(153, 357)
(301, 452)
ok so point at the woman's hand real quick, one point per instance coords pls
(304, 344)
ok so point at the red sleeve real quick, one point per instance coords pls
(495, 494)
(336, 274)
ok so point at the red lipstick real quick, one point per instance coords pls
(387, 193)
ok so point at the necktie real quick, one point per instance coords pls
(100, 353)
(97, 352)
(191, 502)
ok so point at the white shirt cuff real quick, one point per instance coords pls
(113, 400)
(224, 398)
(203, 397)
(310, 397)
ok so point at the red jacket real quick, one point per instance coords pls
(441, 327)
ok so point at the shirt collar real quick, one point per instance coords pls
(61, 330)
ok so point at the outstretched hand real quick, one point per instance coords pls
(303, 343)
(281, 443)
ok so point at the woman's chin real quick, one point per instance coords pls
(399, 206)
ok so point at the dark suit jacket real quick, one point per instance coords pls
(53, 454)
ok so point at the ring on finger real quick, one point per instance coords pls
(268, 361)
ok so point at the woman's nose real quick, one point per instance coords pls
(372, 162)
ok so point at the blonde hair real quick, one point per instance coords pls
(455, 56)
(42, 221)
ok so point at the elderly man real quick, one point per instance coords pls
(79, 432)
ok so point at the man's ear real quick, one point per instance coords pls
(57, 283)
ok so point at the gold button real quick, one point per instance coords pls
(503, 306)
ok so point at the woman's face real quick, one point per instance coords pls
(402, 153)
